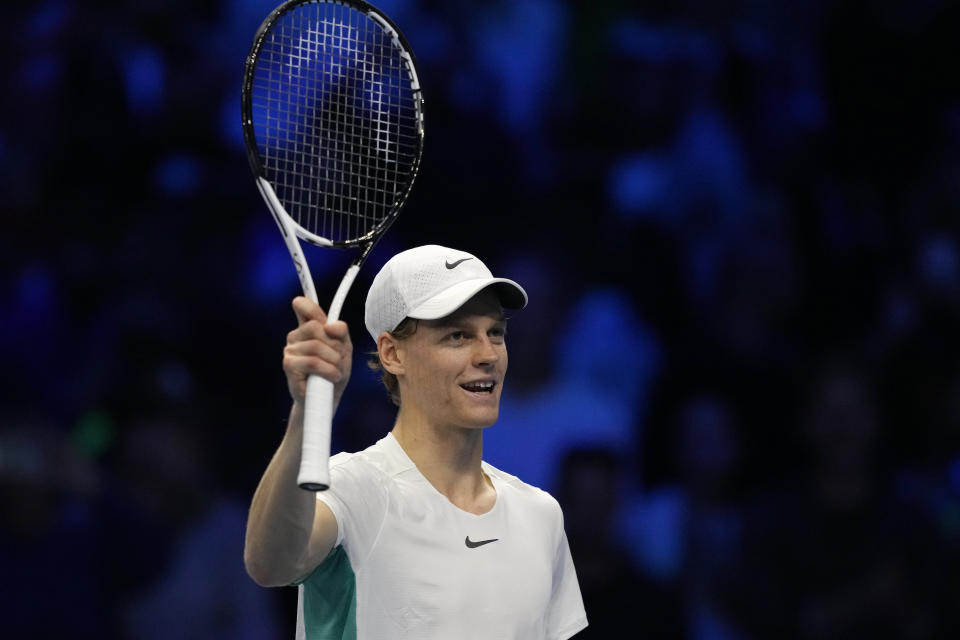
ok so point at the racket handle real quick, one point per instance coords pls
(315, 452)
(318, 410)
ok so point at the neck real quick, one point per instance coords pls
(449, 458)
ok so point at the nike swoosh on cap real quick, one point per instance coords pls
(479, 543)
(453, 265)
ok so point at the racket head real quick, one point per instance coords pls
(332, 115)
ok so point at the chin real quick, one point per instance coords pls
(480, 421)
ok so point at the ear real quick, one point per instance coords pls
(388, 348)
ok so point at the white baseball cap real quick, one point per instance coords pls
(431, 282)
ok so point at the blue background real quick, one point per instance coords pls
(738, 372)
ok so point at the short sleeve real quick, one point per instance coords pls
(358, 499)
(566, 615)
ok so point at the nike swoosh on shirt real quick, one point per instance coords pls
(453, 265)
(479, 543)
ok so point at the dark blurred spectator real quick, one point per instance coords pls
(931, 484)
(709, 452)
(606, 359)
(689, 533)
(620, 602)
(178, 567)
(839, 557)
(50, 554)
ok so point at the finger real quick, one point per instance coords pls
(338, 330)
(307, 310)
(312, 330)
(315, 349)
(332, 332)
(310, 365)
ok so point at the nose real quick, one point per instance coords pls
(487, 353)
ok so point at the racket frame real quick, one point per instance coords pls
(314, 474)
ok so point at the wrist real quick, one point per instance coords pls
(295, 421)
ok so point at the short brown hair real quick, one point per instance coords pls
(406, 328)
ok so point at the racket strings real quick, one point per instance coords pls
(336, 119)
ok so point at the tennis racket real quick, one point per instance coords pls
(333, 124)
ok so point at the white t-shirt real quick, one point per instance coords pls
(410, 564)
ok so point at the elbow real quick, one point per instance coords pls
(257, 571)
(263, 572)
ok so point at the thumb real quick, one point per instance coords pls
(307, 310)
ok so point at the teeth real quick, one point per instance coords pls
(478, 386)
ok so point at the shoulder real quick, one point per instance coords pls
(358, 496)
(360, 471)
(533, 499)
(374, 460)
(376, 467)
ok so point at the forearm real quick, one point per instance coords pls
(281, 515)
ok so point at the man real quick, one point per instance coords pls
(417, 537)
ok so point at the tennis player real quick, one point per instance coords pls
(417, 537)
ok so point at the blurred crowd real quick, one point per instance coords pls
(739, 370)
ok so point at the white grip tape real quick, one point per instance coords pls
(318, 410)
(317, 418)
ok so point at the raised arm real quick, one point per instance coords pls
(289, 532)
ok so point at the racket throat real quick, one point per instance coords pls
(289, 233)
(341, 295)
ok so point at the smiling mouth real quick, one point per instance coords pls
(479, 387)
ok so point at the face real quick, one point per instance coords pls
(452, 369)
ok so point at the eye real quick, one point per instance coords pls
(498, 333)
(456, 336)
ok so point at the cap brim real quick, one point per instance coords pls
(511, 294)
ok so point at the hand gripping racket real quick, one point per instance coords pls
(333, 124)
